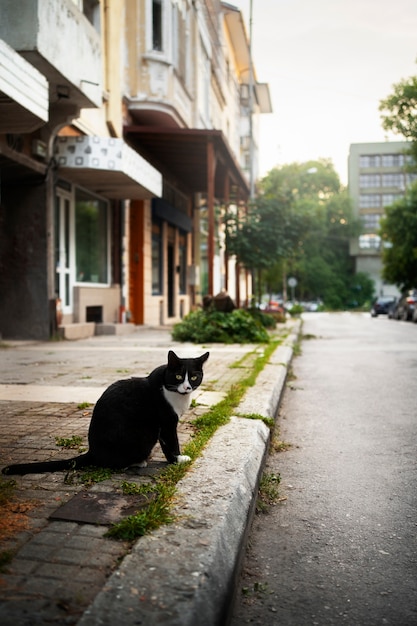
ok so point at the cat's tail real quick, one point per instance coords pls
(49, 466)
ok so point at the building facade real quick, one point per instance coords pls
(378, 175)
(118, 160)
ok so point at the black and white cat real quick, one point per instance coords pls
(131, 416)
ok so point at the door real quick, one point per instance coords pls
(64, 249)
(136, 268)
(171, 280)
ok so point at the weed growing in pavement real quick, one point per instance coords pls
(92, 475)
(70, 443)
(268, 421)
(276, 443)
(268, 493)
(156, 513)
(7, 490)
(84, 405)
(89, 476)
(257, 588)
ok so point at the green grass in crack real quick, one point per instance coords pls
(156, 513)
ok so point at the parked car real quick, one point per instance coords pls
(407, 306)
(383, 305)
(393, 311)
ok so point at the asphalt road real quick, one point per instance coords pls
(341, 547)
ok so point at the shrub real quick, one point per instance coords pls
(212, 326)
(266, 319)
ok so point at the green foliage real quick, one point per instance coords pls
(267, 320)
(92, 475)
(305, 208)
(268, 493)
(399, 231)
(7, 490)
(201, 326)
(73, 442)
(156, 513)
(399, 110)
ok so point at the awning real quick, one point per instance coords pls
(165, 211)
(107, 166)
(182, 153)
(24, 101)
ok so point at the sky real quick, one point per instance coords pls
(328, 64)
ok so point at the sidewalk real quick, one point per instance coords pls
(64, 571)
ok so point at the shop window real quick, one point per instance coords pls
(156, 259)
(91, 238)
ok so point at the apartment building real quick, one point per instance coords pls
(377, 176)
(120, 147)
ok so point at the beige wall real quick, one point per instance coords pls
(106, 297)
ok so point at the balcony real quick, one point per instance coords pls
(59, 41)
(23, 94)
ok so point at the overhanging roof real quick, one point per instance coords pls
(108, 166)
(181, 153)
(24, 103)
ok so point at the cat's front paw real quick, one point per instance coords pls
(183, 458)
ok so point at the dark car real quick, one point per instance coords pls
(407, 306)
(382, 305)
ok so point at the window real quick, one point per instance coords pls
(204, 76)
(369, 200)
(91, 10)
(370, 221)
(390, 198)
(393, 180)
(180, 41)
(156, 258)
(392, 160)
(369, 242)
(370, 180)
(369, 160)
(157, 42)
(91, 238)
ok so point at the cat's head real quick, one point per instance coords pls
(184, 375)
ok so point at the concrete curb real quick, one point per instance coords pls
(183, 574)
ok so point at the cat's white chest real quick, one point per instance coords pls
(180, 402)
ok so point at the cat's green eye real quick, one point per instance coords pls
(193, 377)
(178, 377)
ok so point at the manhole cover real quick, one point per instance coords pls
(100, 508)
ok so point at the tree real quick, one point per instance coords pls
(399, 111)
(399, 233)
(300, 225)
(266, 234)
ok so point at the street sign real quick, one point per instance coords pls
(292, 282)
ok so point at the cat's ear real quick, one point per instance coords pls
(203, 358)
(173, 359)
